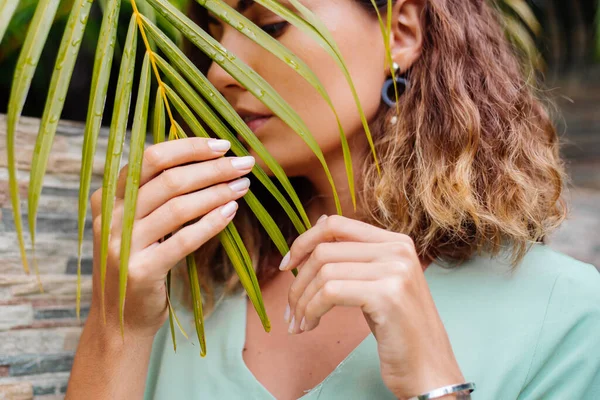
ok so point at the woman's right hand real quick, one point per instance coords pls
(170, 195)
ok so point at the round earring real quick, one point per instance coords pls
(387, 92)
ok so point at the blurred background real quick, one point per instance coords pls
(39, 332)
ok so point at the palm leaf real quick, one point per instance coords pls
(261, 213)
(136, 153)
(230, 16)
(26, 64)
(522, 9)
(597, 36)
(519, 35)
(158, 126)
(100, 79)
(235, 249)
(173, 314)
(59, 85)
(171, 311)
(232, 244)
(223, 132)
(158, 134)
(196, 302)
(7, 9)
(189, 86)
(212, 95)
(115, 144)
(246, 77)
(312, 26)
(386, 29)
(248, 277)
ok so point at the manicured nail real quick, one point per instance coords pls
(286, 315)
(239, 185)
(292, 325)
(285, 261)
(243, 162)
(228, 209)
(302, 324)
(219, 145)
(321, 218)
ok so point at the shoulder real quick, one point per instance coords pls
(538, 321)
(566, 359)
(548, 283)
(545, 286)
(541, 259)
(542, 271)
(573, 292)
(573, 285)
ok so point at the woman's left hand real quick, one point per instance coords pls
(345, 262)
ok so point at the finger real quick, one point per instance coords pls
(181, 180)
(116, 222)
(179, 210)
(96, 202)
(327, 253)
(165, 155)
(336, 228)
(346, 293)
(342, 271)
(189, 238)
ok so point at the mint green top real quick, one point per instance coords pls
(532, 335)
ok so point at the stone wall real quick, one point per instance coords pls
(39, 331)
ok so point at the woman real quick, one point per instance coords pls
(434, 281)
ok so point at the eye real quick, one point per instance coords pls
(275, 30)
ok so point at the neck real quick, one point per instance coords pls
(324, 202)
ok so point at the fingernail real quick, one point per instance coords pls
(219, 145)
(321, 218)
(302, 324)
(286, 315)
(285, 261)
(228, 209)
(242, 162)
(239, 185)
(292, 324)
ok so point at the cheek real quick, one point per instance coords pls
(363, 53)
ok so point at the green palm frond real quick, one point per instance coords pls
(182, 93)
(597, 49)
(26, 65)
(522, 28)
(526, 15)
(235, 19)
(114, 151)
(188, 94)
(136, 152)
(100, 78)
(7, 10)
(247, 77)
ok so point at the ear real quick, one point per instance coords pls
(406, 36)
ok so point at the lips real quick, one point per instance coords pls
(255, 122)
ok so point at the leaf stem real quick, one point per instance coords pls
(159, 81)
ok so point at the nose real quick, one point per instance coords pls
(241, 47)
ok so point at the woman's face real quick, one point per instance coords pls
(358, 36)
